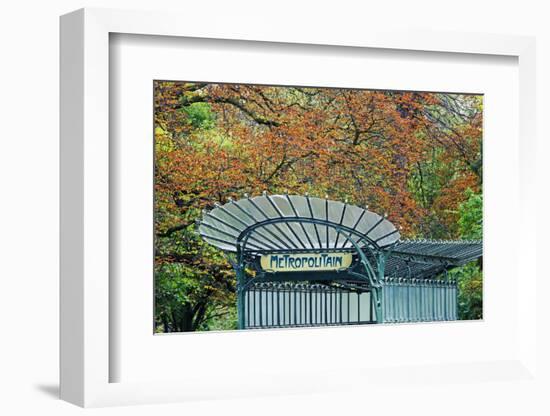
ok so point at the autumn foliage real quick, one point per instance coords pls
(415, 156)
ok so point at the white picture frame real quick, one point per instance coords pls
(85, 210)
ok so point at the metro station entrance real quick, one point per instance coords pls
(303, 261)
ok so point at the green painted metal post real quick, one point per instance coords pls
(381, 266)
(241, 292)
(378, 305)
(240, 297)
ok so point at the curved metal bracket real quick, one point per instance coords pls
(245, 234)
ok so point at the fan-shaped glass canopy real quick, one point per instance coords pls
(294, 222)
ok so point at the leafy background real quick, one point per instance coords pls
(414, 155)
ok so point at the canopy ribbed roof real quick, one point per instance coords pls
(425, 259)
(294, 222)
(455, 252)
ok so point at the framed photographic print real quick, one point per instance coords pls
(274, 213)
(285, 258)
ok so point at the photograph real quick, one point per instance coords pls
(215, 204)
(280, 206)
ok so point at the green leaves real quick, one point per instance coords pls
(470, 291)
(470, 222)
(192, 279)
(200, 115)
(470, 276)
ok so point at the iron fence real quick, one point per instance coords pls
(277, 305)
(419, 300)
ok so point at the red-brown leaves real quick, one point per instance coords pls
(359, 145)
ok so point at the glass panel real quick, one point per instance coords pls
(264, 208)
(236, 212)
(300, 205)
(282, 203)
(215, 224)
(228, 215)
(213, 232)
(218, 244)
(367, 222)
(352, 215)
(249, 209)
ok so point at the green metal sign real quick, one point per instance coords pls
(305, 262)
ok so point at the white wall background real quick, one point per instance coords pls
(29, 56)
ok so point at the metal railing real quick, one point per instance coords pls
(283, 305)
(419, 300)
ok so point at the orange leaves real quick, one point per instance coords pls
(359, 145)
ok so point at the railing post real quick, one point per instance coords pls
(240, 298)
(240, 274)
(381, 269)
(378, 299)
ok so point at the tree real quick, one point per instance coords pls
(470, 276)
(412, 155)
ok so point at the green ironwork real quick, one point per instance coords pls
(293, 304)
(365, 273)
(402, 281)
